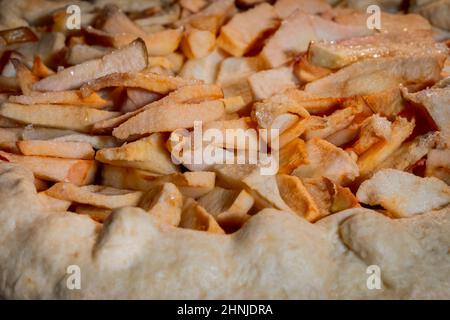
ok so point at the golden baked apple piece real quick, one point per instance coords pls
(57, 149)
(170, 63)
(131, 58)
(323, 127)
(197, 43)
(62, 135)
(164, 202)
(79, 172)
(147, 153)
(404, 194)
(69, 97)
(39, 68)
(376, 154)
(291, 156)
(95, 195)
(232, 69)
(288, 42)
(80, 52)
(187, 94)
(118, 30)
(96, 213)
(266, 83)
(245, 29)
(291, 101)
(166, 118)
(234, 104)
(190, 184)
(211, 17)
(233, 128)
(373, 129)
(186, 151)
(326, 160)
(438, 164)
(114, 20)
(436, 102)
(411, 152)
(205, 68)
(233, 73)
(314, 198)
(195, 217)
(158, 43)
(373, 76)
(9, 138)
(306, 71)
(166, 15)
(263, 188)
(338, 54)
(25, 77)
(55, 116)
(127, 178)
(297, 197)
(229, 207)
(148, 81)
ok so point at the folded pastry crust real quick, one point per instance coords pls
(276, 255)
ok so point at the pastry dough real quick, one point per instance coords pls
(275, 255)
